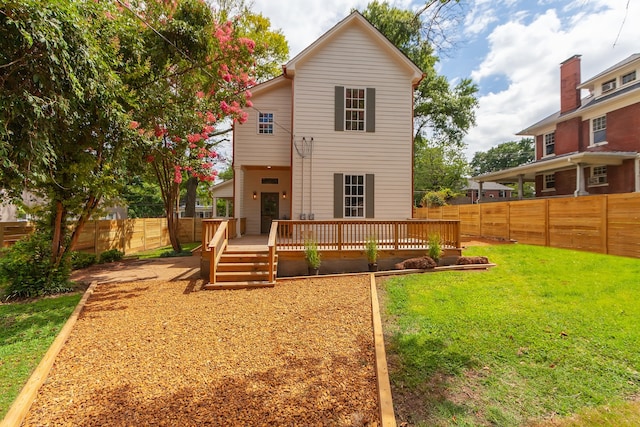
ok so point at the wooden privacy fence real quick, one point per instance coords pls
(128, 235)
(607, 224)
(340, 235)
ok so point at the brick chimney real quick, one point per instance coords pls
(569, 81)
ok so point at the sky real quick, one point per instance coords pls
(511, 49)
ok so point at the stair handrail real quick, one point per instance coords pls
(271, 244)
(217, 245)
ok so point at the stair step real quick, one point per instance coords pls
(243, 257)
(239, 285)
(241, 276)
(243, 266)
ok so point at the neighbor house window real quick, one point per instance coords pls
(354, 196)
(549, 143)
(629, 77)
(598, 175)
(265, 123)
(549, 181)
(609, 85)
(599, 128)
(355, 109)
(502, 194)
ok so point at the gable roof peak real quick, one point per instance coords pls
(354, 18)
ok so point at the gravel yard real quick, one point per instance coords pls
(165, 353)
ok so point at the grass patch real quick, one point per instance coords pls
(546, 334)
(167, 251)
(26, 333)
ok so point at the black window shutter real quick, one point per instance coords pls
(369, 196)
(371, 109)
(339, 108)
(338, 191)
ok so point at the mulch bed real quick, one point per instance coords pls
(166, 353)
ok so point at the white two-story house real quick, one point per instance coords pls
(332, 136)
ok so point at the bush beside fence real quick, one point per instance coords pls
(607, 224)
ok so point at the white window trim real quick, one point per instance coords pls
(591, 132)
(635, 78)
(544, 183)
(273, 123)
(592, 175)
(364, 110)
(364, 195)
(544, 144)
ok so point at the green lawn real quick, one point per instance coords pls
(26, 332)
(167, 251)
(546, 333)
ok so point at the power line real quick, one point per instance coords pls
(626, 12)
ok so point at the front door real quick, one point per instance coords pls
(268, 210)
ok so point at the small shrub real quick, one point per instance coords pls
(371, 249)
(82, 260)
(311, 253)
(435, 248)
(111, 255)
(26, 269)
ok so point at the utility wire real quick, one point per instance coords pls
(626, 12)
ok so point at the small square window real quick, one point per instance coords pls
(265, 123)
(549, 181)
(608, 85)
(598, 175)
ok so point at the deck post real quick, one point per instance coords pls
(396, 236)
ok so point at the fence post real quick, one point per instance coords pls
(604, 223)
(547, 232)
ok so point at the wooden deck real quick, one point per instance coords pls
(252, 261)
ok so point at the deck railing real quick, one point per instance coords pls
(340, 235)
(271, 244)
(216, 247)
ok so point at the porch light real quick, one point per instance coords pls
(255, 195)
(284, 194)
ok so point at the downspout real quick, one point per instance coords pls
(311, 215)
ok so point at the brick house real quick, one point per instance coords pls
(591, 145)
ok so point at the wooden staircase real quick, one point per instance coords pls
(241, 268)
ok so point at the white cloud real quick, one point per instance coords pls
(529, 56)
(304, 21)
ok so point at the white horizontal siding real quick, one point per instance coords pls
(252, 148)
(353, 59)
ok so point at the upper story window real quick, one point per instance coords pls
(549, 143)
(608, 85)
(355, 109)
(354, 196)
(549, 181)
(599, 130)
(265, 123)
(598, 175)
(629, 77)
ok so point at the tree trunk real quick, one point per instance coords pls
(89, 207)
(172, 217)
(58, 234)
(190, 202)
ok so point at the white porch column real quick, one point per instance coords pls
(479, 191)
(520, 186)
(238, 197)
(580, 189)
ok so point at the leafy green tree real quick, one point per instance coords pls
(192, 73)
(143, 199)
(503, 156)
(442, 114)
(437, 168)
(64, 133)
